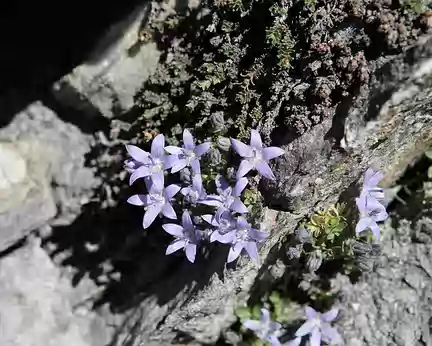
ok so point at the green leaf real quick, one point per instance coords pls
(430, 172)
(243, 313)
(256, 312)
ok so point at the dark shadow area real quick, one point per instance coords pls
(42, 41)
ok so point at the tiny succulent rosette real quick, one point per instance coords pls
(265, 329)
(318, 327)
(144, 164)
(255, 156)
(157, 201)
(189, 155)
(187, 237)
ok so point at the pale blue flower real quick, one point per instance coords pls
(189, 155)
(187, 237)
(255, 156)
(318, 326)
(265, 329)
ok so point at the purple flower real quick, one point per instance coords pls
(189, 155)
(255, 156)
(371, 212)
(158, 201)
(265, 329)
(242, 237)
(294, 342)
(228, 197)
(144, 164)
(224, 223)
(195, 193)
(187, 237)
(371, 180)
(319, 328)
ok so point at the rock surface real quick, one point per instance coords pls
(380, 129)
(37, 150)
(40, 308)
(107, 82)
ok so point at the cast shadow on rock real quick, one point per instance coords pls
(110, 246)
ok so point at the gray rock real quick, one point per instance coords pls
(107, 82)
(37, 304)
(36, 150)
(384, 128)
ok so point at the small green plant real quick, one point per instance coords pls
(416, 6)
(327, 224)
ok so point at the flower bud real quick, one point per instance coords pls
(314, 261)
(217, 122)
(223, 143)
(214, 156)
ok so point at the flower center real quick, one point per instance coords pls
(157, 198)
(257, 156)
(189, 155)
(242, 235)
(157, 166)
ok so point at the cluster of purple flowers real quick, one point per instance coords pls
(229, 225)
(317, 326)
(369, 204)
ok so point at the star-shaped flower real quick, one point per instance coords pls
(255, 156)
(144, 164)
(228, 197)
(187, 237)
(224, 223)
(242, 237)
(189, 154)
(319, 328)
(371, 212)
(157, 201)
(265, 329)
(370, 184)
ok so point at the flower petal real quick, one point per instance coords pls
(195, 165)
(244, 168)
(173, 229)
(221, 183)
(242, 149)
(274, 341)
(158, 179)
(187, 221)
(310, 312)
(234, 252)
(376, 231)
(239, 186)
(253, 325)
(242, 223)
(227, 238)
(140, 172)
(175, 246)
(139, 200)
(169, 212)
(173, 149)
(171, 191)
(252, 250)
(265, 316)
(197, 182)
(372, 178)
(255, 140)
(186, 191)
(188, 140)
(265, 170)
(157, 147)
(138, 154)
(294, 342)
(209, 219)
(330, 315)
(210, 201)
(201, 149)
(258, 236)
(179, 165)
(150, 215)
(170, 161)
(238, 206)
(315, 339)
(272, 152)
(331, 335)
(306, 328)
(191, 252)
(363, 224)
